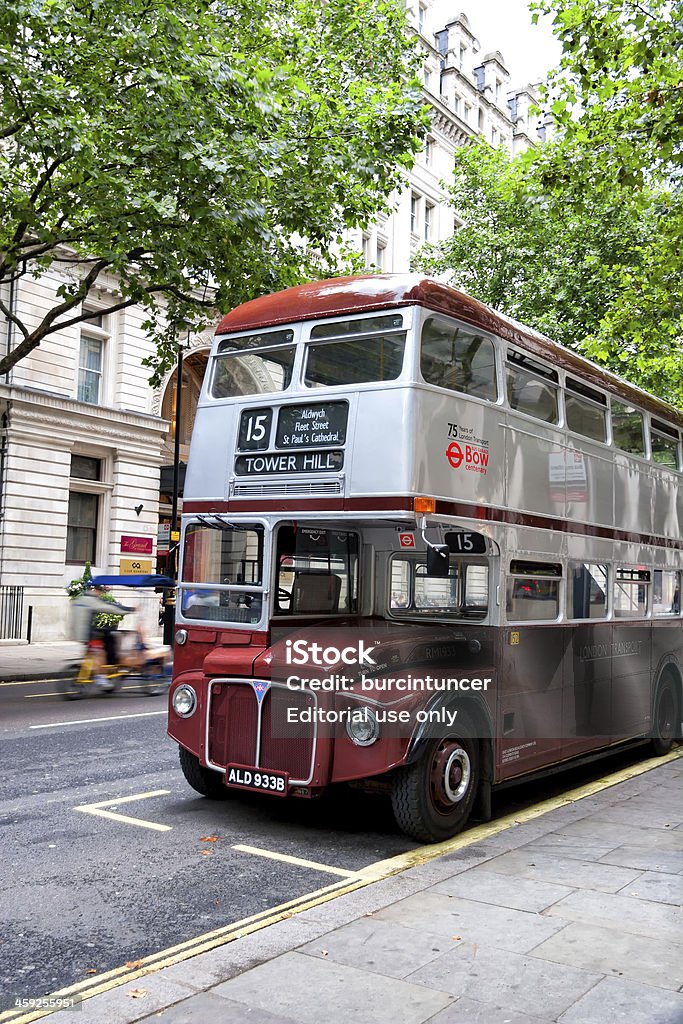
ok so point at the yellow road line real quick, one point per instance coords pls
(58, 693)
(299, 861)
(366, 876)
(98, 810)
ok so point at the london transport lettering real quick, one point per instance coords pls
(469, 450)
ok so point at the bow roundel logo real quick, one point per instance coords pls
(454, 454)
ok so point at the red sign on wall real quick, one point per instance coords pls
(136, 545)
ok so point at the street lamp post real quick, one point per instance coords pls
(169, 609)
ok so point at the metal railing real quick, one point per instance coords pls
(11, 612)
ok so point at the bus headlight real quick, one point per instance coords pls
(181, 637)
(362, 727)
(184, 701)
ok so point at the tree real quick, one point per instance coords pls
(619, 88)
(589, 267)
(202, 153)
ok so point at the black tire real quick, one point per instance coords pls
(432, 799)
(666, 714)
(204, 780)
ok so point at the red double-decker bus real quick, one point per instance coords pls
(424, 549)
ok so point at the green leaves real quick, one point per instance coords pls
(588, 260)
(173, 147)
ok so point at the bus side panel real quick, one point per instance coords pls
(530, 698)
(631, 678)
(211, 455)
(587, 691)
(459, 449)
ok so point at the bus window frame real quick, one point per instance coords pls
(560, 580)
(412, 613)
(276, 614)
(293, 385)
(617, 567)
(494, 339)
(263, 590)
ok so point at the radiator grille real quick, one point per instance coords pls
(237, 724)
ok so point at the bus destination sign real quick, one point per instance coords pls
(321, 425)
(289, 462)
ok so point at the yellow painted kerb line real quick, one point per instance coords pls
(372, 873)
(98, 809)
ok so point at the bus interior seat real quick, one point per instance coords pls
(316, 592)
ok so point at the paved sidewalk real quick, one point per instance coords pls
(22, 661)
(573, 917)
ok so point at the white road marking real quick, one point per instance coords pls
(299, 861)
(98, 810)
(108, 718)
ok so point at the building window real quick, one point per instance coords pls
(468, 112)
(85, 493)
(494, 137)
(421, 12)
(429, 220)
(456, 104)
(429, 152)
(427, 78)
(81, 533)
(91, 359)
(90, 370)
(414, 209)
(481, 120)
(366, 249)
(381, 257)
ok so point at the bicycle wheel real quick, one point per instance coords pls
(79, 682)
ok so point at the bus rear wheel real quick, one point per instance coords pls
(432, 799)
(204, 780)
(666, 717)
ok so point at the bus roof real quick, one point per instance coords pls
(352, 295)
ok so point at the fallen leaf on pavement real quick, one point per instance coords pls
(209, 839)
(206, 853)
(137, 993)
(134, 963)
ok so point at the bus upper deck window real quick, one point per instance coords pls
(585, 410)
(627, 428)
(355, 352)
(531, 387)
(258, 364)
(665, 445)
(454, 357)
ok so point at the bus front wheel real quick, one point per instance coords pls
(204, 780)
(666, 718)
(432, 799)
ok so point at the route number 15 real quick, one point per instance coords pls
(254, 432)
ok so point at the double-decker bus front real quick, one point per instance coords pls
(300, 556)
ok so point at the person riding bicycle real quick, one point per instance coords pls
(101, 639)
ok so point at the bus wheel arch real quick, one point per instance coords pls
(432, 796)
(666, 710)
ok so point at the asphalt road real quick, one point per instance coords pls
(81, 893)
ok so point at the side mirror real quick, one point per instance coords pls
(437, 560)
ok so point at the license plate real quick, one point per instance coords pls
(256, 780)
